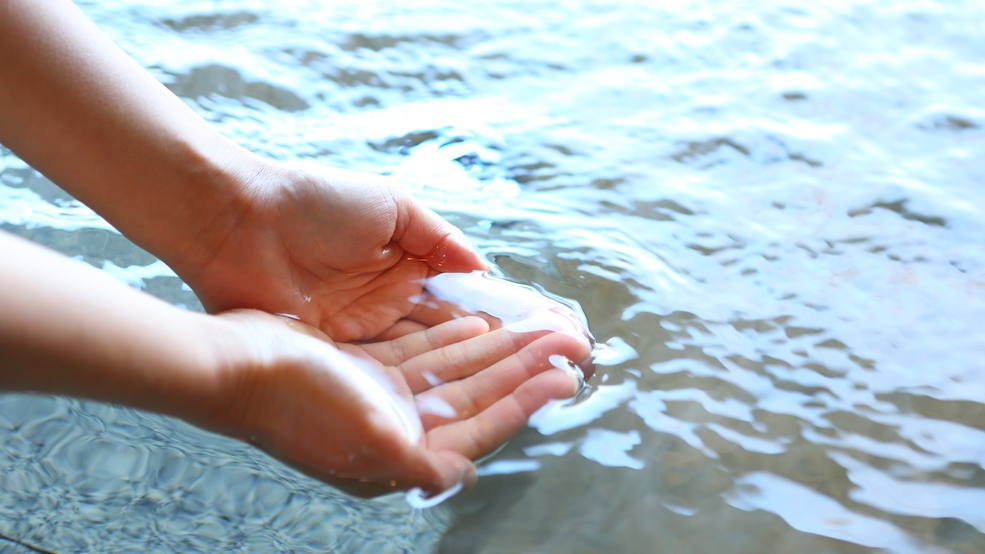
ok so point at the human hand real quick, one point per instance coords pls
(412, 412)
(500, 303)
(345, 251)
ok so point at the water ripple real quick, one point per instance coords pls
(770, 215)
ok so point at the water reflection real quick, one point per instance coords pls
(516, 308)
(826, 517)
(769, 215)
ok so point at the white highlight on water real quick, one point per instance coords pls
(435, 406)
(416, 499)
(613, 352)
(521, 309)
(507, 467)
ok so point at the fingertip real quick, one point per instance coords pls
(478, 325)
(470, 256)
(423, 233)
(457, 470)
(455, 254)
(587, 367)
(494, 323)
(554, 384)
(582, 355)
(573, 379)
(576, 384)
(576, 349)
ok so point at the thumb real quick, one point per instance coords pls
(424, 234)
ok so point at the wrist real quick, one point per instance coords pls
(219, 369)
(211, 190)
(173, 367)
(239, 356)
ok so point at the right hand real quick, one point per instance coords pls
(345, 251)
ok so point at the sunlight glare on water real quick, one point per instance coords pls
(770, 213)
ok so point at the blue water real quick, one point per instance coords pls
(770, 213)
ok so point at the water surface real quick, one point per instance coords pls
(771, 215)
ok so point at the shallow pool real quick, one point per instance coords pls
(772, 215)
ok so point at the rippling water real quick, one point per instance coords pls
(771, 214)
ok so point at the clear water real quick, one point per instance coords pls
(771, 214)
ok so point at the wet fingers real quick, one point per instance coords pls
(481, 434)
(414, 344)
(465, 398)
(463, 359)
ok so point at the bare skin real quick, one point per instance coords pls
(346, 252)
(342, 250)
(359, 416)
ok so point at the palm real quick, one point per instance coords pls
(346, 252)
(356, 305)
(469, 388)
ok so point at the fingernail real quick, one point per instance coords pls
(587, 367)
(569, 367)
(459, 239)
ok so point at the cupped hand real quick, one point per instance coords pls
(344, 251)
(411, 412)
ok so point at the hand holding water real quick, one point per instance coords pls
(344, 251)
(412, 412)
(348, 253)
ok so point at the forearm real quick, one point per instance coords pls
(85, 114)
(66, 328)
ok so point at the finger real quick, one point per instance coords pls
(424, 234)
(431, 471)
(431, 310)
(452, 470)
(404, 467)
(463, 359)
(587, 367)
(479, 435)
(398, 351)
(466, 397)
(401, 328)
